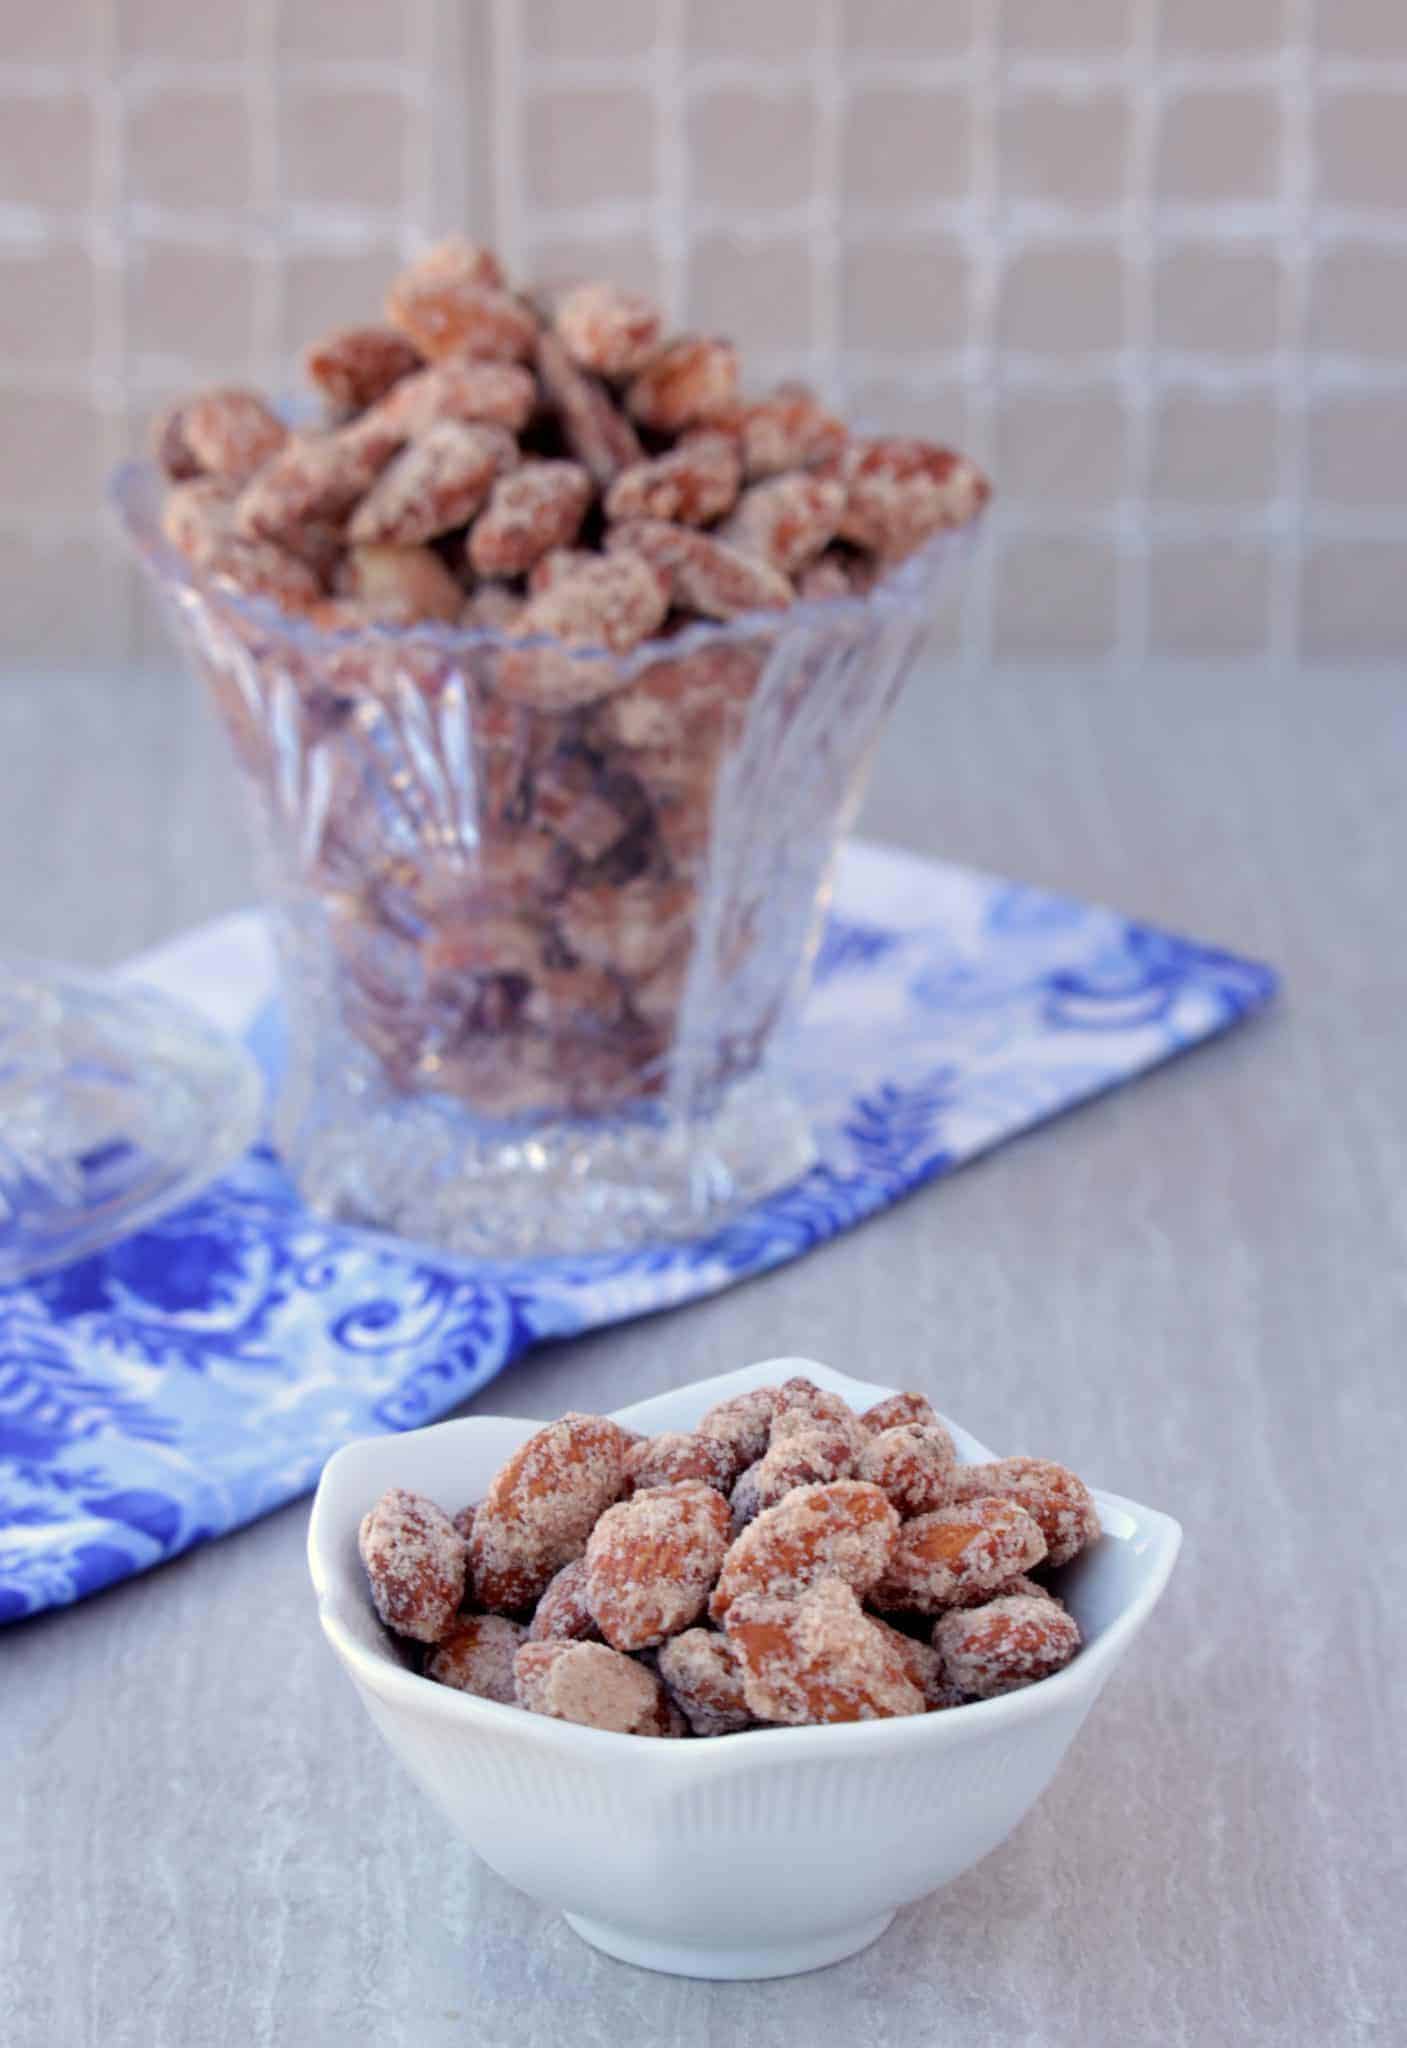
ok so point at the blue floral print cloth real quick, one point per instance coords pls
(199, 1374)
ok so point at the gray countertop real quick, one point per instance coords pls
(1192, 1291)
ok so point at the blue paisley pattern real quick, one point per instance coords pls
(199, 1374)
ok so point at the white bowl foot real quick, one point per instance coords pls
(777, 1959)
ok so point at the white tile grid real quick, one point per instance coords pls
(437, 188)
(991, 231)
(113, 227)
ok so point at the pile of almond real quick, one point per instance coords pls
(789, 1562)
(541, 463)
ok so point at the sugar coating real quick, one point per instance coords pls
(475, 393)
(787, 429)
(690, 380)
(230, 433)
(590, 1684)
(464, 1522)
(561, 1614)
(613, 601)
(701, 1670)
(354, 366)
(607, 329)
(745, 1500)
(897, 1408)
(787, 520)
(957, 1556)
(1051, 1494)
(438, 482)
(448, 307)
(477, 1656)
(598, 435)
(542, 1505)
(898, 492)
(817, 1657)
(315, 477)
(806, 1453)
(538, 506)
(652, 1561)
(705, 575)
(680, 1454)
(693, 483)
(1005, 1644)
(415, 1561)
(744, 1423)
(845, 1530)
(914, 1462)
(801, 1402)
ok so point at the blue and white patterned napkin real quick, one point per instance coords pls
(198, 1375)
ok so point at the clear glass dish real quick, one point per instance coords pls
(116, 1105)
(539, 962)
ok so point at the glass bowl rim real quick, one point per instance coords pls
(904, 592)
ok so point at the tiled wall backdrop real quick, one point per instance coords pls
(1147, 258)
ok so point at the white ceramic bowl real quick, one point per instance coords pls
(753, 1855)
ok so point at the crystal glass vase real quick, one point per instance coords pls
(544, 913)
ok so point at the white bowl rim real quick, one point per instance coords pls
(1157, 1534)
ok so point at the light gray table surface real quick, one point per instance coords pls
(1193, 1291)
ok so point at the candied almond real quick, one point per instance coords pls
(1005, 1644)
(845, 1530)
(554, 565)
(632, 928)
(477, 1656)
(354, 366)
(399, 585)
(590, 1684)
(788, 429)
(611, 601)
(897, 1408)
(231, 433)
(437, 482)
(478, 393)
(607, 329)
(197, 514)
(914, 1463)
(957, 1556)
(705, 575)
(786, 520)
(261, 568)
(1051, 1494)
(898, 492)
(415, 1561)
(494, 606)
(1029, 1588)
(701, 1671)
(744, 1423)
(651, 1562)
(538, 506)
(811, 1454)
(816, 1657)
(687, 382)
(541, 1507)
(800, 1396)
(314, 477)
(676, 1455)
(596, 431)
(694, 483)
(562, 1615)
(446, 305)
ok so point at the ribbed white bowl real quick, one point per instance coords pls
(754, 1855)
